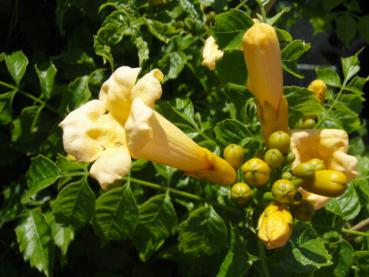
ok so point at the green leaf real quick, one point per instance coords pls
(346, 28)
(26, 126)
(350, 66)
(35, 242)
(76, 94)
(75, 204)
(283, 35)
(231, 131)
(231, 68)
(301, 102)
(291, 53)
(363, 28)
(6, 110)
(116, 213)
(344, 259)
(143, 49)
(46, 78)
(229, 28)
(238, 261)
(202, 233)
(16, 64)
(329, 76)
(347, 205)
(307, 256)
(41, 174)
(157, 221)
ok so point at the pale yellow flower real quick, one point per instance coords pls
(265, 76)
(92, 135)
(211, 53)
(152, 137)
(275, 226)
(328, 145)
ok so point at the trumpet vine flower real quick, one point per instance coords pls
(265, 77)
(211, 53)
(275, 226)
(122, 123)
(328, 145)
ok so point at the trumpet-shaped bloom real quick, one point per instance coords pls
(211, 53)
(152, 137)
(121, 89)
(265, 77)
(90, 134)
(275, 226)
(328, 145)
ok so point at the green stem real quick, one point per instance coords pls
(180, 193)
(29, 96)
(353, 232)
(264, 265)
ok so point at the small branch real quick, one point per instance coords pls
(353, 232)
(264, 265)
(361, 226)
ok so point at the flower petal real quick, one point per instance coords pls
(148, 88)
(211, 53)
(111, 166)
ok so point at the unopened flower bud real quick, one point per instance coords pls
(308, 123)
(279, 140)
(286, 175)
(234, 155)
(283, 191)
(329, 183)
(290, 157)
(256, 172)
(241, 193)
(318, 87)
(275, 226)
(302, 210)
(304, 171)
(274, 158)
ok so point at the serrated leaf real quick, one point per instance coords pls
(301, 102)
(344, 259)
(347, 205)
(202, 233)
(46, 78)
(41, 174)
(143, 49)
(6, 110)
(35, 242)
(229, 28)
(305, 257)
(27, 124)
(291, 53)
(74, 204)
(157, 221)
(329, 76)
(350, 66)
(116, 213)
(231, 131)
(238, 261)
(16, 64)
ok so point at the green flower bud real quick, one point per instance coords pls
(283, 191)
(317, 164)
(256, 172)
(279, 140)
(308, 123)
(241, 193)
(274, 158)
(234, 155)
(286, 175)
(304, 171)
(302, 210)
(290, 157)
(267, 196)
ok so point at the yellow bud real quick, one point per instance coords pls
(283, 191)
(275, 226)
(234, 155)
(318, 87)
(256, 172)
(329, 183)
(304, 171)
(308, 123)
(318, 164)
(279, 140)
(241, 193)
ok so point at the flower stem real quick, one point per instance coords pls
(353, 232)
(263, 263)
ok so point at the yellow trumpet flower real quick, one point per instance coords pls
(328, 145)
(265, 77)
(92, 135)
(275, 226)
(152, 137)
(211, 53)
